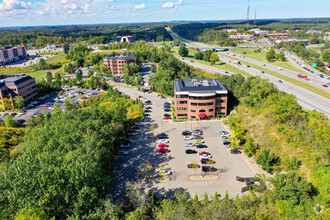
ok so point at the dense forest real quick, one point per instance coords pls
(94, 34)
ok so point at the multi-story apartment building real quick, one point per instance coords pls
(17, 84)
(200, 98)
(11, 54)
(115, 62)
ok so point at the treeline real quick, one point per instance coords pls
(64, 168)
(94, 34)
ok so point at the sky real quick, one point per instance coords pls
(66, 12)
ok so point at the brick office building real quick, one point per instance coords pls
(11, 54)
(200, 98)
(17, 84)
(115, 62)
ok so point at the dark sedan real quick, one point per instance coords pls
(189, 151)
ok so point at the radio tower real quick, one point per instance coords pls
(247, 15)
(255, 17)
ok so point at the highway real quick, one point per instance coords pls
(305, 98)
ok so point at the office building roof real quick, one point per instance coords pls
(14, 79)
(199, 85)
(120, 57)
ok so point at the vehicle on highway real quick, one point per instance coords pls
(187, 138)
(208, 169)
(280, 81)
(207, 161)
(167, 118)
(262, 72)
(199, 141)
(162, 145)
(189, 151)
(121, 152)
(162, 136)
(280, 68)
(189, 144)
(164, 172)
(193, 165)
(263, 64)
(192, 61)
(325, 85)
(186, 133)
(201, 146)
(235, 151)
(163, 141)
(162, 150)
(248, 66)
(204, 152)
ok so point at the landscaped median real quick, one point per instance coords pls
(219, 65)
(296, 82)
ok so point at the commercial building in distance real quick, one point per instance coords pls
(11, 54)
(241, 36)
(200, 98)
(279, 35)
(12, 85)
(115, 62)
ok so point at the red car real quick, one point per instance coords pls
(192, 61)
(163, 145)
(162, 150)
(300, 76)
(167, 118)
(305, 77)
(325, 85)
(203, 152)
(46, 106)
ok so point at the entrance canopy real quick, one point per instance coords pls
(202, 115)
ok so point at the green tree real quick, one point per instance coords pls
(183, 51)
(198, 55)
(271, 54)
(79, 75)
(19, 102)
(176, 42)
(207, 55)
(66, 48)
(42, 64)
(267, 160)
(7, 105)
(281, 56)
(326, 56)
(214, 58)
(10, 122)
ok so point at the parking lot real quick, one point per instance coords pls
(52, 98)
(144, 144)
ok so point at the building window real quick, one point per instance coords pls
(192, 116)
(182, 96)
(220, 107)
(182, 102)
(192, 110)
(202, 104)
(202, 110)
(211, 110)
(210, 116)
(221, 95)
(201, 98)
(182, 115)
(221, 101)
(182, 108)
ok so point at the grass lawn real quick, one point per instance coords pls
(56, 59)
(251, 45)
(220, 65)
(39, 75)
(296, 82)
(262, 57)
(160, 44)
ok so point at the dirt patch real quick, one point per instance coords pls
(209, 177)
(164, 179)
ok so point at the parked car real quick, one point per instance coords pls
(208, 169)
(197, 137)
(201, 146)
(164, 172)
(186, 133)
(124, 146)
(197, 132)
(163, 141)
(162, 136)
(189, 144)
(199, 141)
(207, 161)
(325, 85)
(193, 165)
(204, 152)
(280, 81)
(147, 110)
(148, 107)
(162, 150)
(167, 109)
(187, 138)
(235, 151)
(162, 145)
(204, 156)
(225, 138)
(167, 115)
(189, 151)
(167, 118)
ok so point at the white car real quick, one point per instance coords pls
(121, 152)
(187, 137)
(189, 144)
(204, 156)
(164, 172)
(163, 141)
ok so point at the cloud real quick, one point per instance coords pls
(180, 2)
(139, 7)
(169, 5)
(110, 9)
(9, 5)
